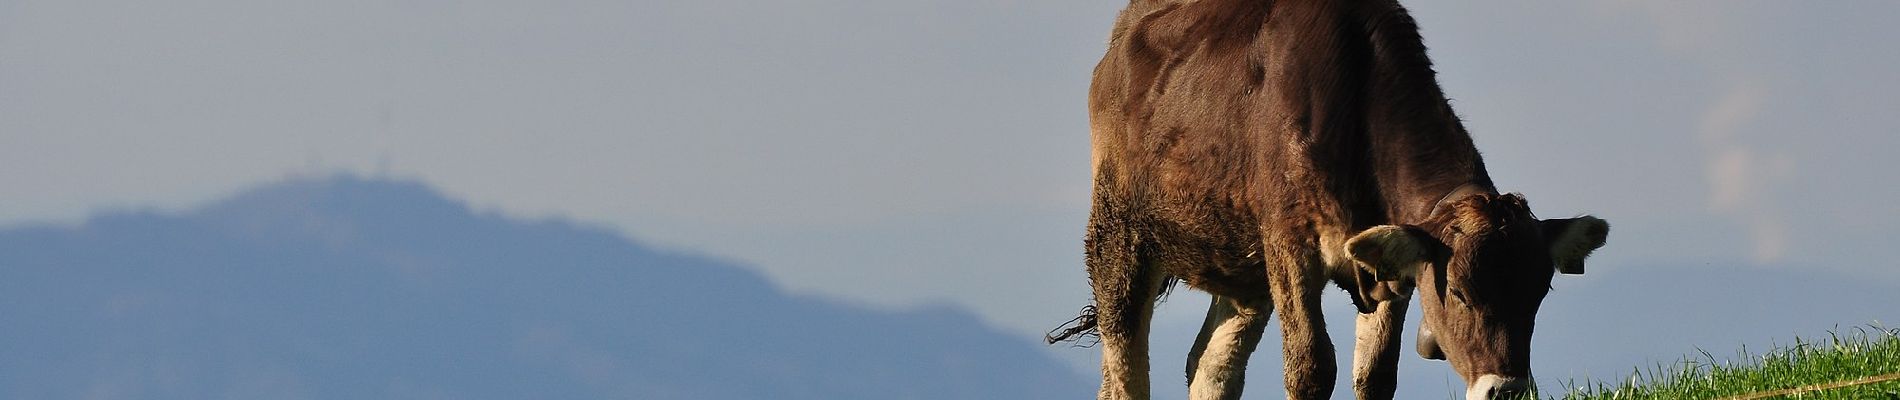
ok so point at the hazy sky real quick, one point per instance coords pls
(931, 151)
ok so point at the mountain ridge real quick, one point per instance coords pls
(349, 287)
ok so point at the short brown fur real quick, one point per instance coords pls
(1237, 144)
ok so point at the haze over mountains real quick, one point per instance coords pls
(353, 288)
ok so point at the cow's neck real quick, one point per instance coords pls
(1420, 149)
(1414, 185)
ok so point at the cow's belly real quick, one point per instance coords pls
(1217, 246)
(1210, 247)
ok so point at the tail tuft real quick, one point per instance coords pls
(1080, 330)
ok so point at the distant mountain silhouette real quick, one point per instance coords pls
(352, 288)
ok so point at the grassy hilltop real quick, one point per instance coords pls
(1857, 363)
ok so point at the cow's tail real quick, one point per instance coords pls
(1080, 330)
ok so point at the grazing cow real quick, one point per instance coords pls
(1258, 149)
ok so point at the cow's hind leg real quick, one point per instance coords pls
(1125, 288)
(1375, 365)
(1217, 365)
(1310, 368)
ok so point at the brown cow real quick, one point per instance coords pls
(1259, 149)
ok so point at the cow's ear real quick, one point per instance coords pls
(1428, 344)
(1362, 291)
(1572, 239)
(1393, 252)
(1368, 292)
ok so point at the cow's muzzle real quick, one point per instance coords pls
(1491, 387)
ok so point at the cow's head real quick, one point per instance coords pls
(1482, 265)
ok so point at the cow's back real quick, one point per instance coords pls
(1214, 119)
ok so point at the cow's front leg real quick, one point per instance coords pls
(1310, 368)
(1375, 355)
(1217, 365)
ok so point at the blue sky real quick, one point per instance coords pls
(905, 153)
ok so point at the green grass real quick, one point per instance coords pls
(1845, 355)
